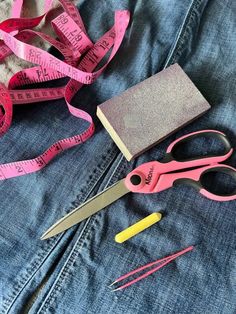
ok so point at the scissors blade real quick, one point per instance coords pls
(90, 207)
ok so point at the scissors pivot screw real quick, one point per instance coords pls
(135, 179)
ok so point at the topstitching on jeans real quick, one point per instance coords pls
(185, 31)
(178, 47)
(65, 271)
(27, 274)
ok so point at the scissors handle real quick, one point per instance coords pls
(195, 179)
(157, 176)
(208, 159)
(191, 177)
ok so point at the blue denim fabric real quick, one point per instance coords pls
(70, 272)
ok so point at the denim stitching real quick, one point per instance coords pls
(41, 258)
(175, 53)
(183, 33)
(65, 272)
(25, 278)
(178, 37)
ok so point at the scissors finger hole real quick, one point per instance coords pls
(199, 146)
(219, 181)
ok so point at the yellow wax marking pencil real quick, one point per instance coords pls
(137, 227)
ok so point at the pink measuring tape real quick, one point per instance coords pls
(81, 57)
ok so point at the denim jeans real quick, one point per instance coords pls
(70, 273)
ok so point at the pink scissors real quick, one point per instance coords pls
(157, 176)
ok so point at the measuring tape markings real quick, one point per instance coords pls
(68, 6)
(73, 12)
(30, 96)
(90, 59)
(21, 77)
(19, 168)
(33, 75)
(43, 58)
(71, 33)
(6, 103)
(88, 63)
(40, 74)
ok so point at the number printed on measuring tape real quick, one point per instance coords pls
(81, 57)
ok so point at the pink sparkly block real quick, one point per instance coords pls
(148, 112)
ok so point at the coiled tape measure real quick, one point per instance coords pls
(81, 57)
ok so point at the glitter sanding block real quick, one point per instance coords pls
(148, 112)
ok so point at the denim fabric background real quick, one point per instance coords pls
(70, 272)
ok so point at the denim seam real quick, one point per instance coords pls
(33, 268)
(176, 51)
(25, 278)
(178, 46)
(65, 271)
(62, 274)
(177, 38)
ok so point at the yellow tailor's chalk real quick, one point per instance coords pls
(137, 227)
